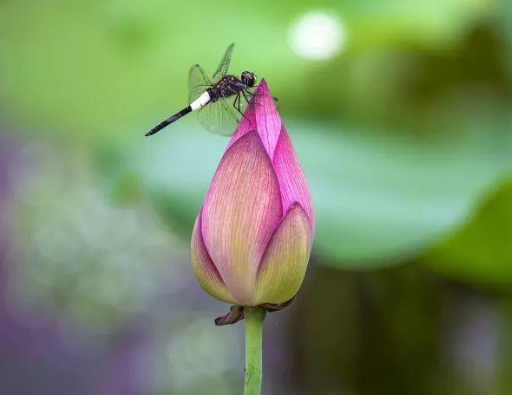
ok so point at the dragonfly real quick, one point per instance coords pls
(219, 101)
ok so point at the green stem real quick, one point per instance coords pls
(254, 317)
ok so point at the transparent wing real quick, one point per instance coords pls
(224, 63)
(198, 82)
(219, 117)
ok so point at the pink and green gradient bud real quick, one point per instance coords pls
(252, 238)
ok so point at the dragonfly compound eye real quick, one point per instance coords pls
(248, 78)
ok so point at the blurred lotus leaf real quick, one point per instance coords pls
(378, 199)
(480, 250)
(409, 128)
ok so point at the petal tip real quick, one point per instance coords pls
(262, 89)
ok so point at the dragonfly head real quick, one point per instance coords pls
(248, 78)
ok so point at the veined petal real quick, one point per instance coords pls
(204, 269)
(284, 264)
(247, 124)
(267, 118)
(261, 115)
(293, 184)
(242, 208)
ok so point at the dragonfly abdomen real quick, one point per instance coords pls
(202, 100)
(169, 120)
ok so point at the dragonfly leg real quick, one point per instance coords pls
(244, 92)
(248, 99)
(251, 94)
(236, 105)
(276, 101)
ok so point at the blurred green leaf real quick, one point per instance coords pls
(90, 68)
(480, 250)
(430, 68)
(378, 199)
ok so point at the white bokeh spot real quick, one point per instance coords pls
(317, 35)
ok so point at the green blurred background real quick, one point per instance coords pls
(401, 115)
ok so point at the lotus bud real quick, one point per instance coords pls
(252, 238)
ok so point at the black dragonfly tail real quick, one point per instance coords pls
(169, 120)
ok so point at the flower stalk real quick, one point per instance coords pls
(254, 318)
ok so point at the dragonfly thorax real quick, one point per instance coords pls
(228, 85)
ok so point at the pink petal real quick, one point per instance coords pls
(261, 115)
(292, 183)
(284, 264)
(247, 124)
(204, 269)
(267, 118)
(241, 210)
